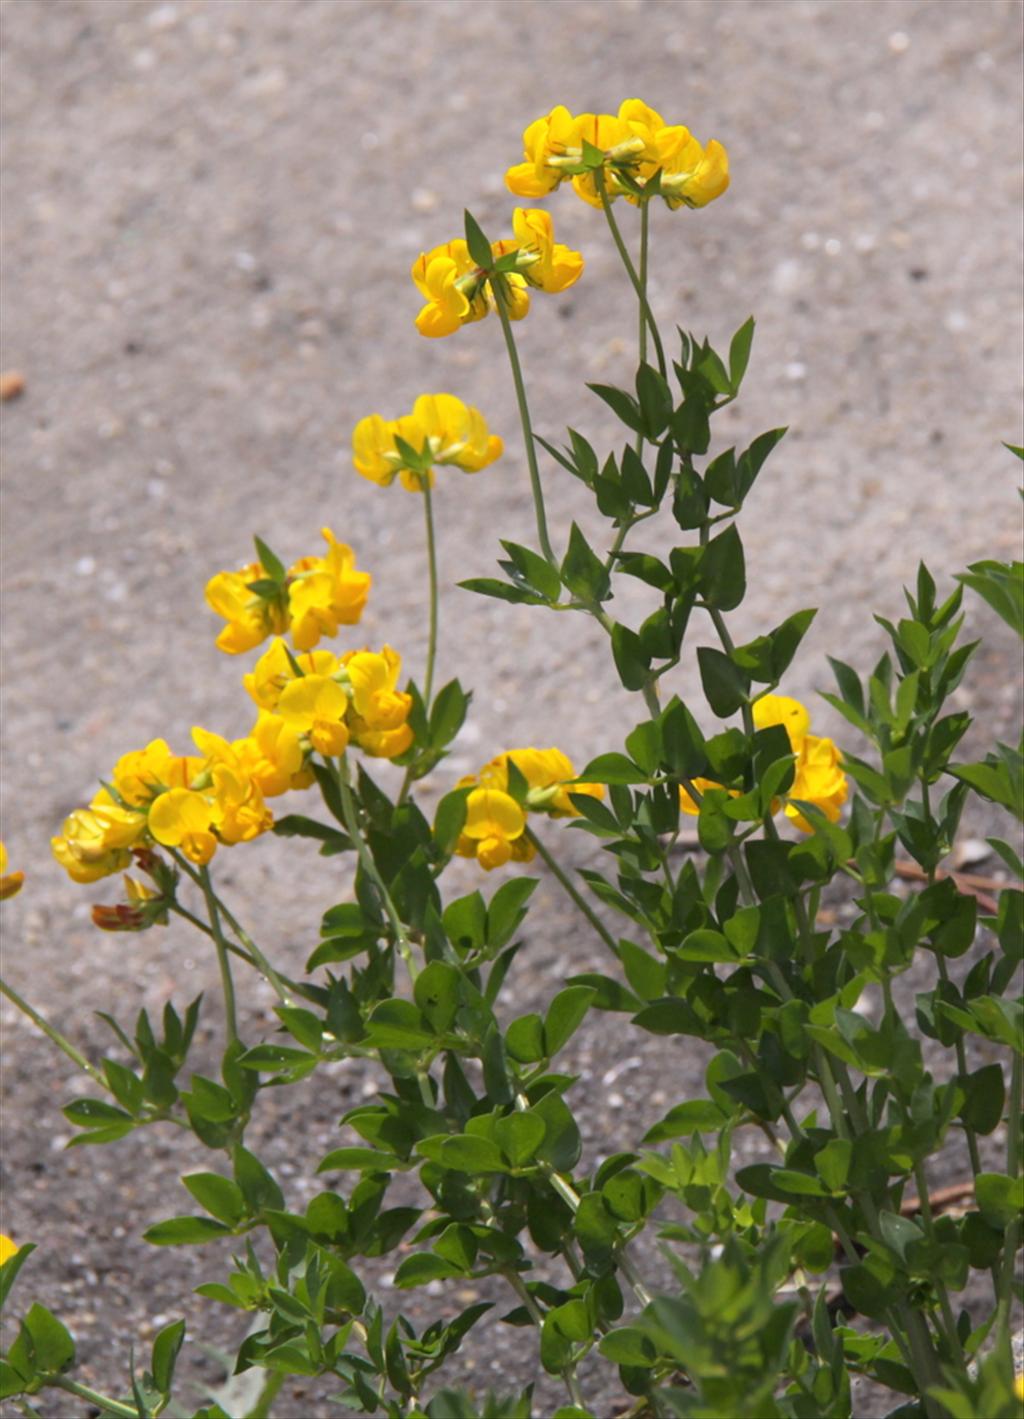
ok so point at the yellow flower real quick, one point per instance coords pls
(545, 139)
(691, 176)
(183, 818)
(544, 263)
(94, 841)
(494, 824)
(316, 706)
(7, 1248)
(636, 144)
(273, 757)
(250, 617)
(379, 710)
(458, 291)
(143, 773)
(548, 773)
(780, 709)
(325, 593)
(451, 282)
(441, 428)
(10, 882)
(273, 671)
(819, 780)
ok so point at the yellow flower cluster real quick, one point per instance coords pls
(312, 599)
(191, 802)
(440, 430)
(458, 291)
(337, 700)
(195, 803)
(637, 143)
(10, 882)
(495, 828)
(818, 774)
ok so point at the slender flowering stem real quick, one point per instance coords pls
(565, 882)
(631, 272)
(48, 1030)
(524, 418)
(348, 808)
(223, 959)
(251, 953)
(428, 674)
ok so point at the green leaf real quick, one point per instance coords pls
(467, 1153)
(582, 570)
(694, 1116)
(536, 570)
(363, 1159)
(479, 246)
(422, 1268)
(398, 1024)
(436, 992)
(723, 575)
(271, 564)
(725, 685)
(752, 461)
(258, 1188)
(507, 908)
(631, 660)
(655, 400)
(832, 1163)
(629, 1346)
(166, 1347)
(612, 768)
(1001, 584)
(501, 591)
(221, 1197)
(524, 1039)
(52, 1345)
(565, 1015)
(519, 1137)
(1000, 1198)
(184, 1231)
(447, 713)
(622, 405)
(706, 945)
(739, 353)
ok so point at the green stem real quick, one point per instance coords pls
(568, 1372)
(645, 214)
(949, 1320)
(961, 1065)
(92, 1396)
(48, 1030)
(428, 674)
(567, 886)
(631, 272)
(271, 1387)
(366, 862)
(524, 418)
(223, 958)
(252, 954)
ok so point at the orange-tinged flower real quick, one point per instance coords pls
(10, 882)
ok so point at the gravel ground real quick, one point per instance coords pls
(209, 211)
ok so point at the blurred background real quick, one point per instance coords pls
(210, 209)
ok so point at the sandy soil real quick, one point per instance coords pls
(210, 208)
